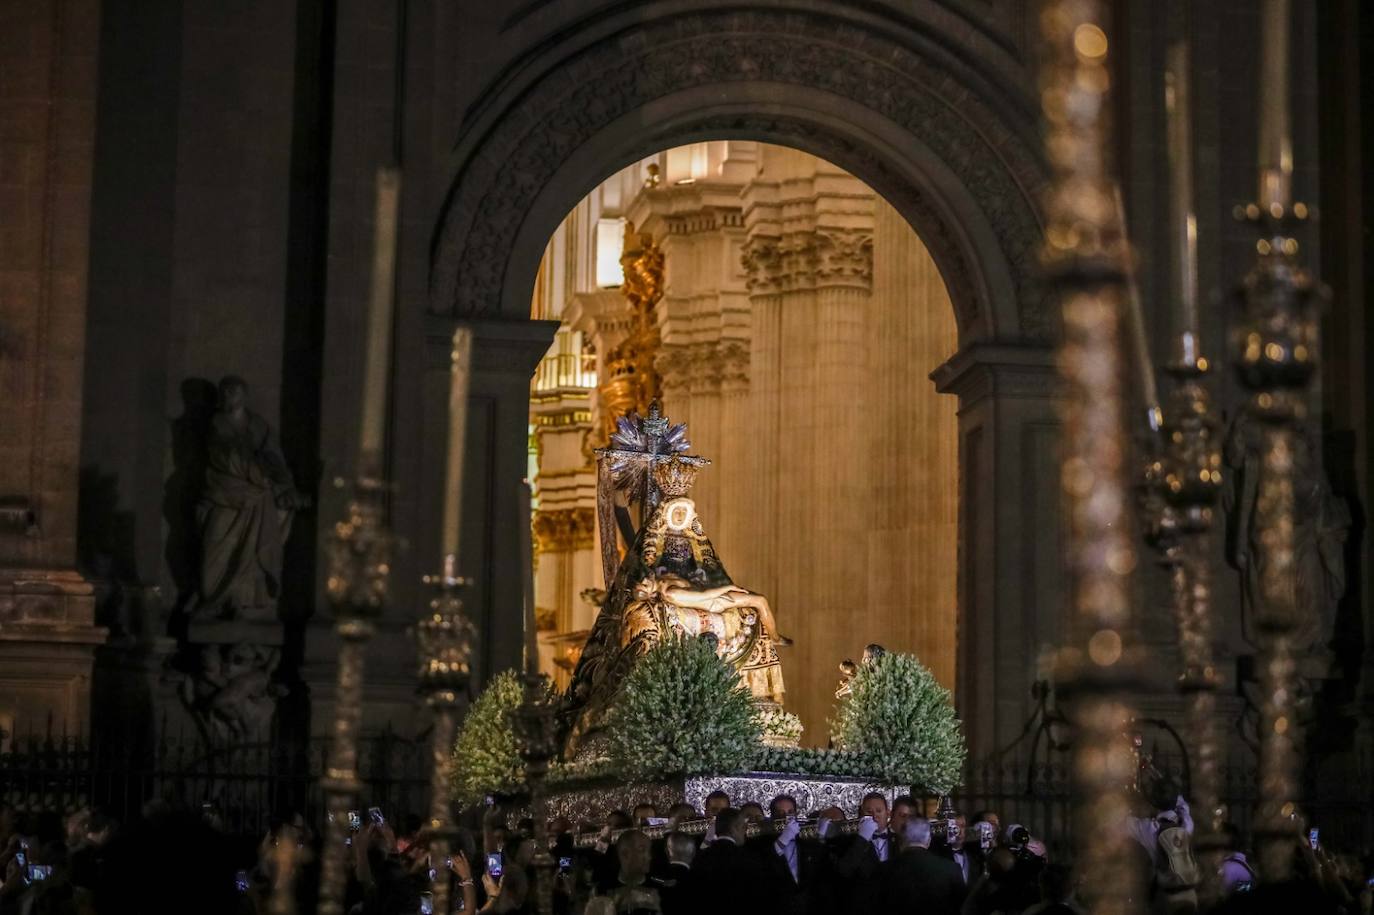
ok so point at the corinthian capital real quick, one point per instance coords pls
(809, 259)
(762, 260)
(844, 258)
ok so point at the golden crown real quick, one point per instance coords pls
(674, 477)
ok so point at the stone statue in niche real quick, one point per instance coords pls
(244, 513)
(1321, 523)
(230, 693)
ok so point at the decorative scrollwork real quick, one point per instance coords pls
(501, 179)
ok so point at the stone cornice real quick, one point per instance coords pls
(1008, 369)
(499, 347)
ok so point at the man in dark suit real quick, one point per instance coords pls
(860, 858)
(730, 878)
(918, 880)
(678, 888)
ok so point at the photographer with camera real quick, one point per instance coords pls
(1166, 835)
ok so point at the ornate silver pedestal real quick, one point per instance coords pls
(593, 799)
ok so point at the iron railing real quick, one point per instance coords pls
(245, 785)
(248, 785)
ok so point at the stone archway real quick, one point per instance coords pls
(905, 112)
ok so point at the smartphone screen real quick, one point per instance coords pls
(426, 904)
(1312, 835)
(375, 813)
(21, 860)
(494, 865)
(355, 820)
(241, 881)
(565, 865)
(39, 872)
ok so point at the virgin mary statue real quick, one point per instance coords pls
(670, 583)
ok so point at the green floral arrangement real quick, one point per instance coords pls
(780, 728)
(816, 761)
(901, 721)
(564, 773)
(486, 755)
(682, 711)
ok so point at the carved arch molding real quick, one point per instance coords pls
(986, 142)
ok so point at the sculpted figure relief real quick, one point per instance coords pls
(671, 582)
(1322, 520)
(245, 512)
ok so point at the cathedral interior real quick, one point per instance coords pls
(811, 230)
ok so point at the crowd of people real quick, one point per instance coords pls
(895, 857)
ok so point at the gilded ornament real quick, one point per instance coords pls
(563, 530)
(670, 580)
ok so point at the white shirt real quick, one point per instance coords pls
(788, 853)
(1146, 830)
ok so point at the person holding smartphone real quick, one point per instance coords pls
(461, 869)
(506, 881)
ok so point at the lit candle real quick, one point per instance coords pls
(1275, 143)
(1136, 327)
(379, 318)
(1176, 101)
(527, 578)
(459, 374)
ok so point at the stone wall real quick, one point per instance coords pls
(47, 134)
(226, 157)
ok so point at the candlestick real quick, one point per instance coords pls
(460, 372)
(1140, 346)
(1084, 263)
(376, 369)
(1177, 103)
(527, 580)
(1275, 141)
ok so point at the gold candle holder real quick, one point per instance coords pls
(359, 569)
(1276, 354)
(1086, 257)
(1191, 483)
(444, 639)
(536, 732)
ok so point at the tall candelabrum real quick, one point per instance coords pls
(359, 569)
(444, 639)
(1276, 350)
(537, 735)
(535, 724)
(1085, 257)
(1183, 481)
(1276, 355)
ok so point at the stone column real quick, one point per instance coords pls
(809, 257)
(504, 356)
(703, 322)
(1010, 538)
(913, 447)
(47, 109)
